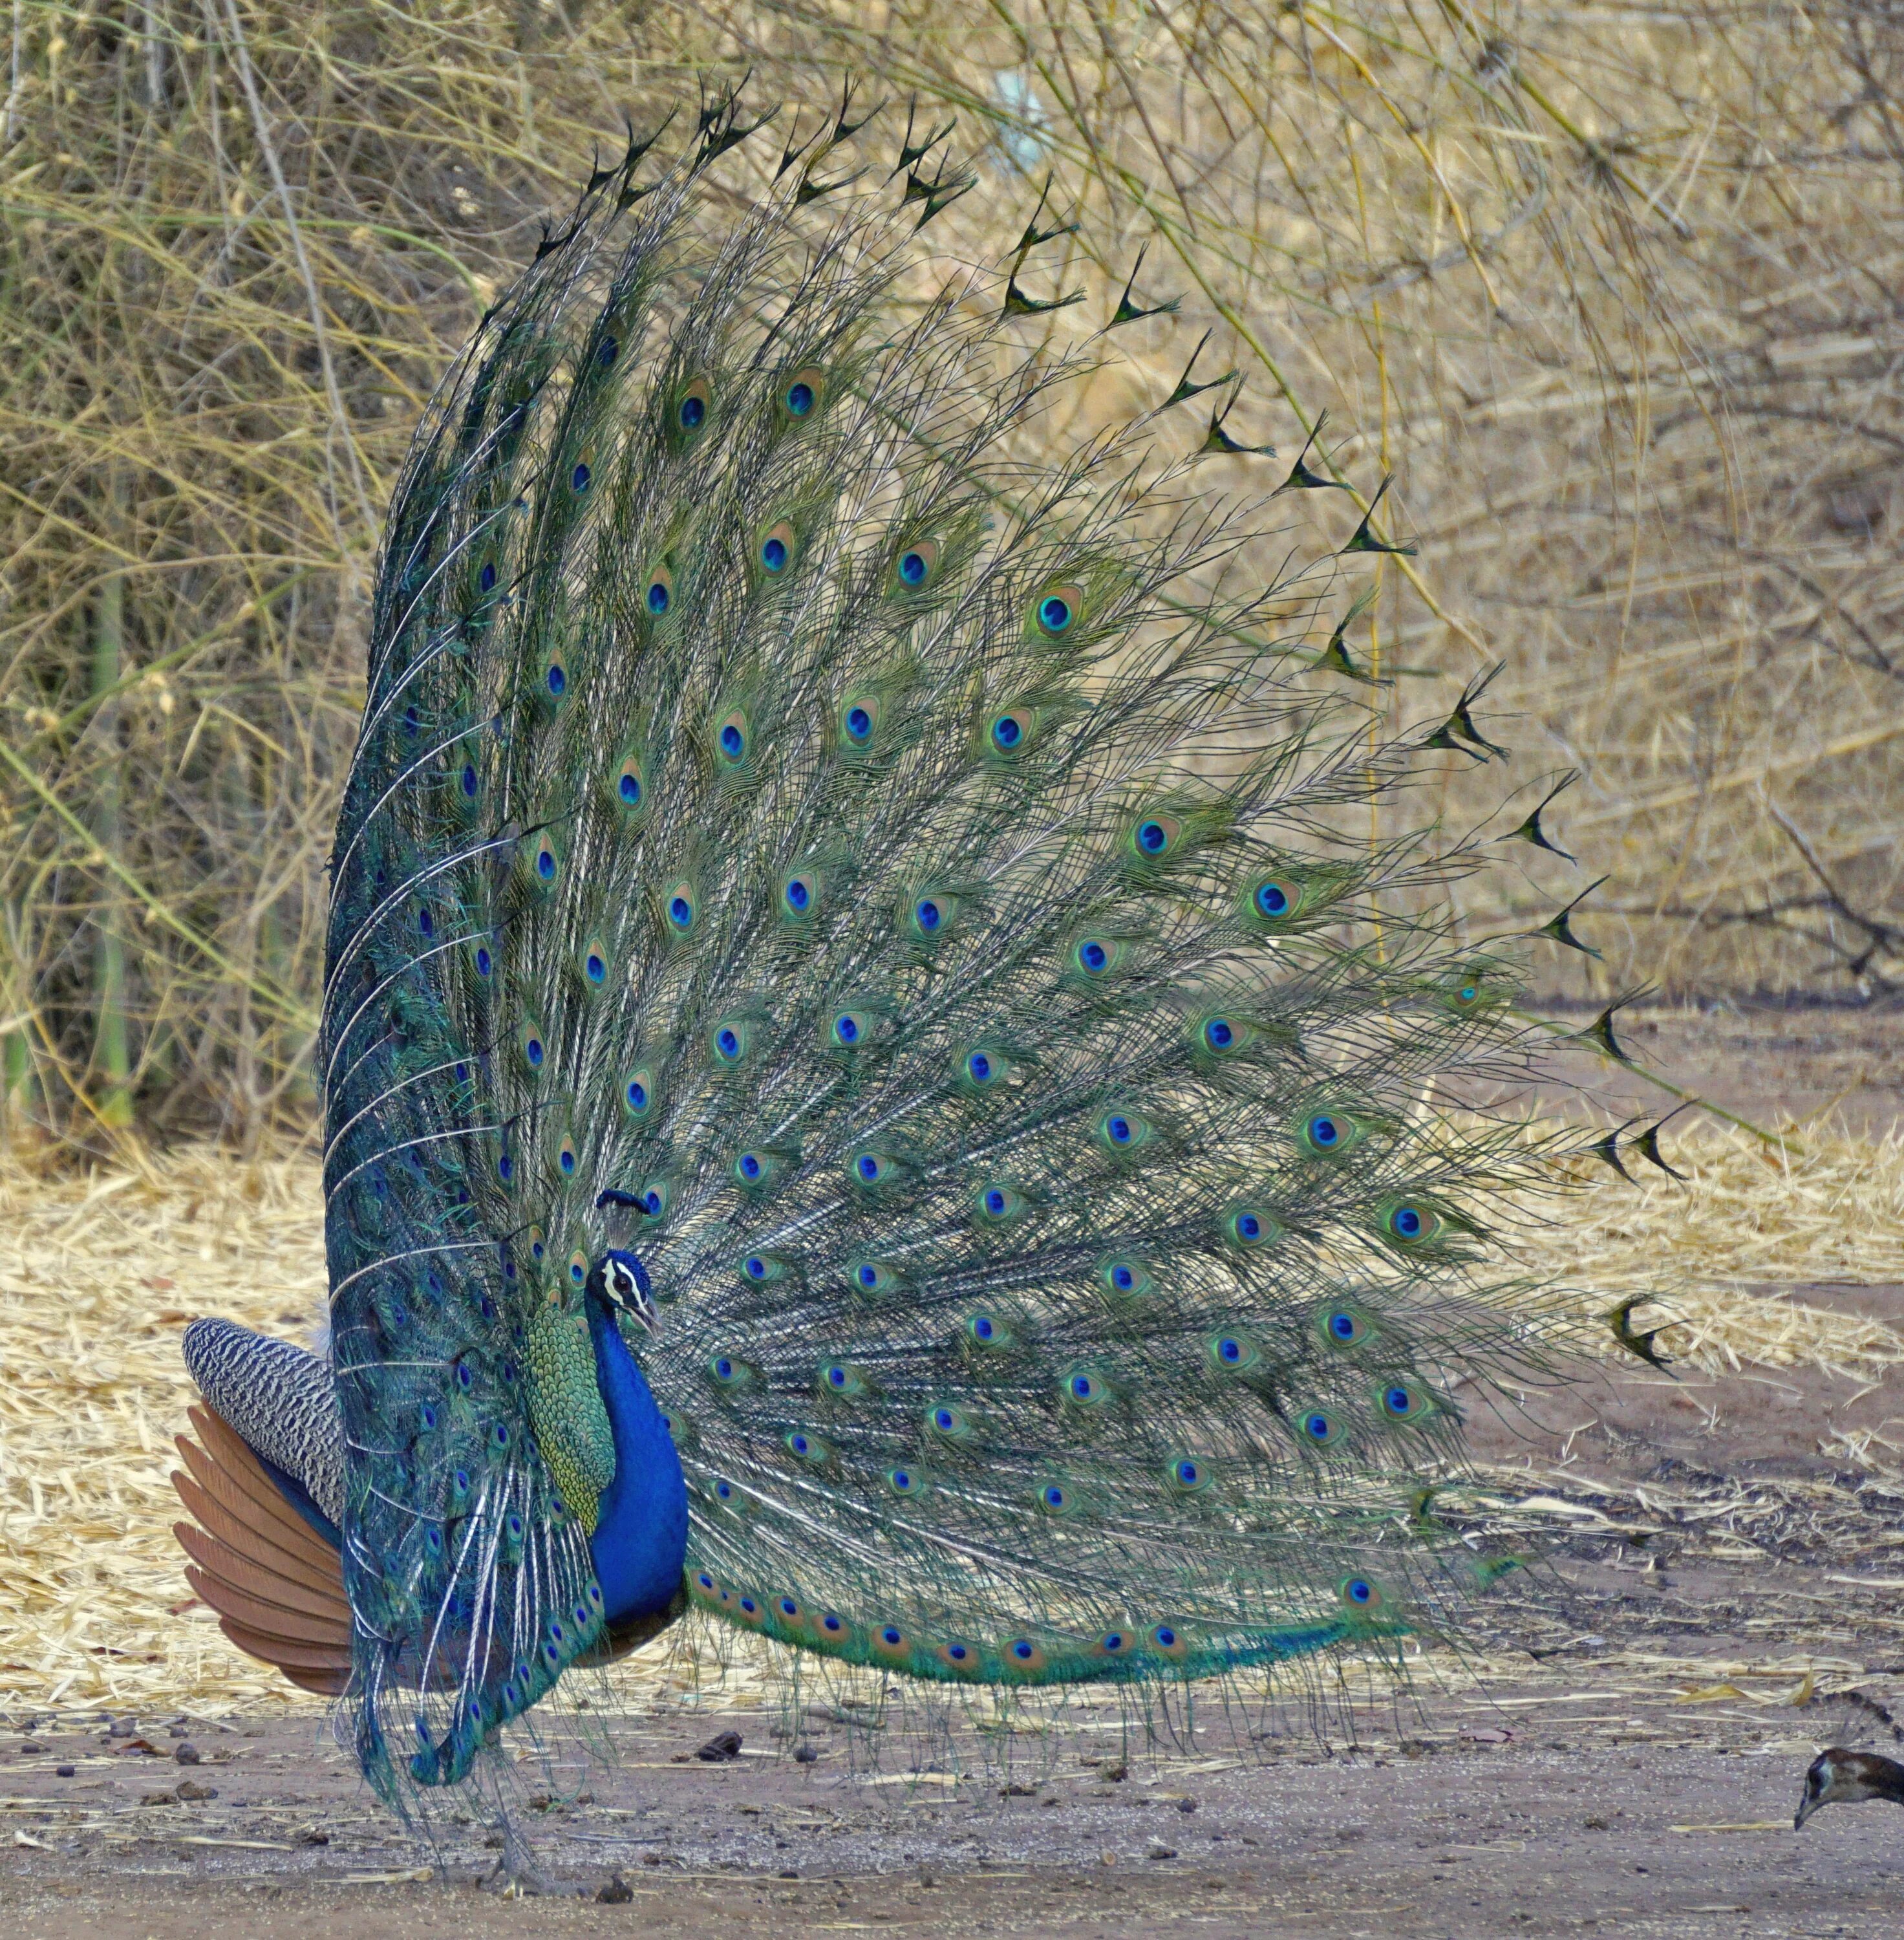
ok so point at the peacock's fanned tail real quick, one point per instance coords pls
(815, 829)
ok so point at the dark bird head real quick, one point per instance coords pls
(620, 1281)
(1841, 1777)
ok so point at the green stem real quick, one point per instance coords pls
(111, 1057)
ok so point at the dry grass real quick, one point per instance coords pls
(99, 1273)
(1606, 291)
(1751, 1216)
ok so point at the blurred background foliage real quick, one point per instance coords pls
(1610, 290)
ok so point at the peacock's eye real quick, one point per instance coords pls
(803, 393)
(916, 566)
(778, 547)
(692, 405)
(1055, 610)
(1010, 731)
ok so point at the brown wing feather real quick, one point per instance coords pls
(236, 1475)
(252, 1577)
(277, 1586)
(318, 1574)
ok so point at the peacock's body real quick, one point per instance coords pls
(861, 1090)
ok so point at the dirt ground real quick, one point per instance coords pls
(1621, 1751)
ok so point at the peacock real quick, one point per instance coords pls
(877, 1086)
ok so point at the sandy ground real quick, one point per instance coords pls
(1621, 1751)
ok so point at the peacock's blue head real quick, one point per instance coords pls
(620, 1281)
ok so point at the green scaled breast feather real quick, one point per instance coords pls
(839, 821)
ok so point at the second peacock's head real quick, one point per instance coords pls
(620, 1281)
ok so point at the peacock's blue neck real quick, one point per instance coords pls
(640, 1544)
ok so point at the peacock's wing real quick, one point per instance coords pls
(816, 827)
(276, 1585)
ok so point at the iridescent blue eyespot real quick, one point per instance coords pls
(658, 597)
(470, 783)
(1400, 1402)
(1006, 732)
(756, 1267)
(1406, 1222)
(836, 1377)
(733, 742)
(1343, 1326)
(608, 351)
(927, 914)
(1317, 1426)
(979, 1065)
(1083, 1387)
(902, 1480)
(994, 1202)
(629, 788)
(1164, 1637)
(1024, 1650)
(1230, 1351)
(1054, 613)
(1188, 1474)
(533, 1051)
(1248, 1226)
(1219, 1034)
(1272, 899)
(1359, 1589)
(724, 1370)
(1152, 838)
(486, 578)
(798, 895)
(912, 568)
(1093, 957)
(1122, 1279)
(652, 1202)
(692, 412)
(799, 399)
(558, 679)
(594, 967)
(545, 864)
(750, 1165)
(636, 1094)
(727, 1043)
(1323, 1131)
(773, 554)
(578, 479)
(869, 1278)
(982, 1328)
(942, 1419)
(681, 912)
(1118, 1127)
(1052, 1496)
(869, 1167)
(859, 723)
(847, 1029)
(891, 1637)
